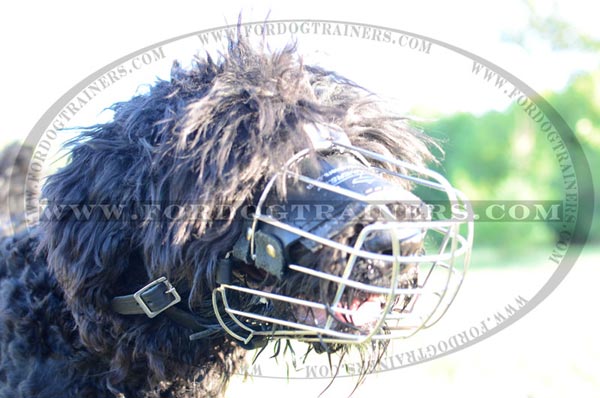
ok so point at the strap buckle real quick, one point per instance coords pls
(137, 296)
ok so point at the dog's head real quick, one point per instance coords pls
(280, 200)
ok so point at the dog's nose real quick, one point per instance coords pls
(410, 239)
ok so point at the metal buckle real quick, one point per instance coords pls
(170, 290)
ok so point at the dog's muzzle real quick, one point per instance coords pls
(420, 242)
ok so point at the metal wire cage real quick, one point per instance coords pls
(441, 268)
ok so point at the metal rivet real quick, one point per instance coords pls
(249, 234)
(271, 251)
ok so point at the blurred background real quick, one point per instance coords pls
(493, 151)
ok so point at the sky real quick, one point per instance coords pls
(49, 47)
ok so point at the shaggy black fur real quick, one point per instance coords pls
(212, 135)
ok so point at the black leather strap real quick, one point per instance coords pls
(151, 300)
(158, 297)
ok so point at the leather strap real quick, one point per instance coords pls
(151, 300)
(160, 296)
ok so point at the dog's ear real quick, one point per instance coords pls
(87, 247)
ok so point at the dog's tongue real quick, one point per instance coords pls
(365, 312)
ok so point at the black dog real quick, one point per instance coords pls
(207, 143)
